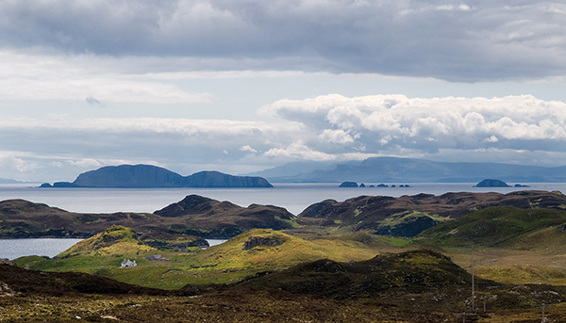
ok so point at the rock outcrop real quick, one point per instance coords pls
(6, 261)
(254, 242)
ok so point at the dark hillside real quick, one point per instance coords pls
(409, 215)
(53, 283)
(206, 217)
(195, 204)
(193, 216)
(411, 270)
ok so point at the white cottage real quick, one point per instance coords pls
(126, 263)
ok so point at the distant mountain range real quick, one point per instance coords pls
(147, 176)
(10, 181)
(408, 170)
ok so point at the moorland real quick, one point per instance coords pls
(485, 257)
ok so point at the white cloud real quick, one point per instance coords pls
(336, 136)
(248, 148)
(491, 139)
(432, 124)
(298, 150)
(17, 165)
(452, 7)
(85, 163)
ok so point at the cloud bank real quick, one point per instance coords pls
(332, 127)
(386, 122)
(453, 40)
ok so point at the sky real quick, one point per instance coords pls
(241, 86)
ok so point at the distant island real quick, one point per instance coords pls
(362, 185)
(492, 183)
(496, 183)
(148, 176)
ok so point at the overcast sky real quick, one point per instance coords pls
(244, 85)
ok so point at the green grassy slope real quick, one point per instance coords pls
(225, 263)
(500, 227)
(114, 241)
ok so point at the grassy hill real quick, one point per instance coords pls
(507, 244)
(114, 241)
(270, 249)
(244, 255)
(502, 227)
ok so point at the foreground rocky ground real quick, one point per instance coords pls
(238, 306)
(233, 306)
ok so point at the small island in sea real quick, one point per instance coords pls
(492, 183)
(362, 185)
(148, 176)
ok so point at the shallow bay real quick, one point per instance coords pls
(14, 248)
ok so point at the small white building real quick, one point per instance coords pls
(126, 263)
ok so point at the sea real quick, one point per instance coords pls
(293, 197)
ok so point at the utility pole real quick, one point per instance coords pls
(543, 307)
(473, 282)
(472, 315)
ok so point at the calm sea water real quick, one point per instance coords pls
(294, 197)
(14, 248)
